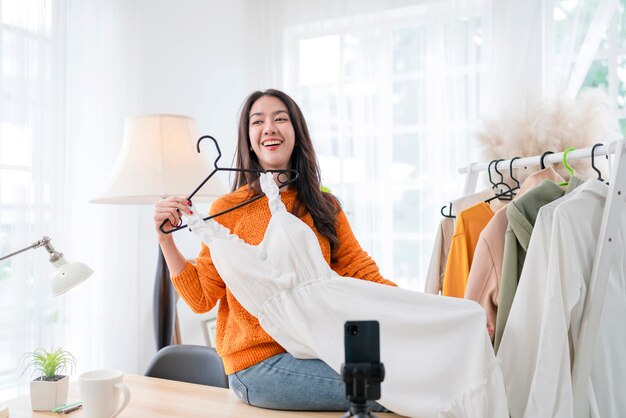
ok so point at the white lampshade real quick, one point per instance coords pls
(68, 275)
(158, 158)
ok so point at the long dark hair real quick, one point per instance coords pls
(322, 206)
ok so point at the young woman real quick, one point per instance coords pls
(272, 135)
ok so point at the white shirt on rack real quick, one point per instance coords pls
(547, 310)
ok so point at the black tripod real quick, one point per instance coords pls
(362, 384)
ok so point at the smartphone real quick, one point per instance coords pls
(362, 345)
(361, 342)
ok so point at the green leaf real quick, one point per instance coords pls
(48, 363)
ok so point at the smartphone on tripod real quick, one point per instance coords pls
(362, 346)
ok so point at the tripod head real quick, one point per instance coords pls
(362, 384)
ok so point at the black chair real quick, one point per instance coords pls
(189, 363)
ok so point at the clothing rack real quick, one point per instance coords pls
(605, 252)
(473, 170)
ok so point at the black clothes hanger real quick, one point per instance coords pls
(543, 166)
(517, 184)
(593, 163)
(510, 192)
(239, 170)
(506, 194)
(449, 214)
(493, 184)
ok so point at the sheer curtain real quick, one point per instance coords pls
(105, 327)
(31, 128)
(579, 30)
(516, 48)
(392, 92)
(68, 81)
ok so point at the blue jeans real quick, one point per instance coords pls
(284, 382)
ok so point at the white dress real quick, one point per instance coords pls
(437, 354)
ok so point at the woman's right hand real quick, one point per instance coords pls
(170, 209)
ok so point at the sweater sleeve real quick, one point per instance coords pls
(199, 284)
(349, 259)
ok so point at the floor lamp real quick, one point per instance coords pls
(158, 158)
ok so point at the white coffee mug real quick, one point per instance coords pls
(100, 392)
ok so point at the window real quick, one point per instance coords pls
(390, 101)
(30, 120)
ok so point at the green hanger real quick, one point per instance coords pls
(566, 165)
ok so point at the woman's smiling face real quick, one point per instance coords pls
(271, 132)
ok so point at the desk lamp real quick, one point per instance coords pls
(66, 276)
(158, 158)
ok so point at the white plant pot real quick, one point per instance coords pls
(44, 396)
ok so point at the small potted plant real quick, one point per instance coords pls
(50, 388)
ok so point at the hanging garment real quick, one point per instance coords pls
(437, 356)
(484, 276)
(536, 351)
(443, 238)
(469, 225)
(483, 281)
(439, 257)
(521, 215)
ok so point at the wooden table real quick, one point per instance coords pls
(155, 398)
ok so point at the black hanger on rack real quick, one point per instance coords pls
(506, 194)
(517, 184)
(449, 214)
(240, 170)
(593, 163)
(543, 166)
(493, 184)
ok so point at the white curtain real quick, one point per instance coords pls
(31, 128)
(69, 80)
(579, 29)
(544, 48)
(516, 38)
(104, 326)
(391, 91)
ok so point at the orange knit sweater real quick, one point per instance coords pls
(240, 340)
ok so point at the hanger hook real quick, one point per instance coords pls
(489, 172)
(447, 215)
(567, 151)
(219, 153)
(543, 156)
(511, 171)
(495, 167)
(593, 164)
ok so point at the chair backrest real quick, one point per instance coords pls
(189, 363)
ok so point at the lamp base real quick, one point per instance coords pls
(4, 411)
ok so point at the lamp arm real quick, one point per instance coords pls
(43, 242)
